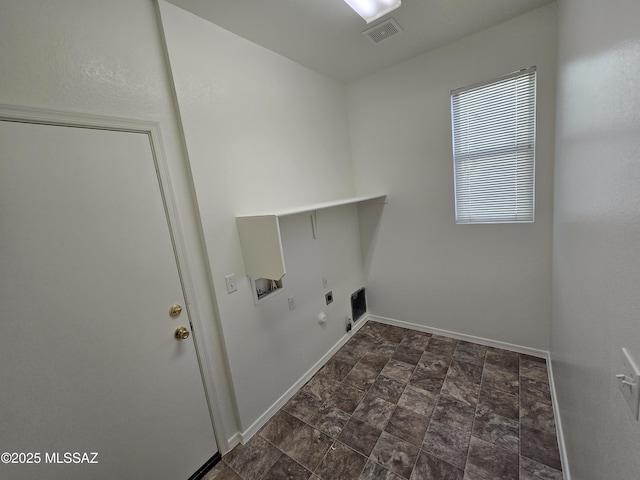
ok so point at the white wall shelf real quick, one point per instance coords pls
(261, 241)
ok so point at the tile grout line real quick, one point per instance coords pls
(475, 413)
(519, 414)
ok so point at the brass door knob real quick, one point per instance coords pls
(175, 310)
(182, 333)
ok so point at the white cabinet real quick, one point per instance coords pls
(261, 241)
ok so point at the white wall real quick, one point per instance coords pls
(263, 132)
(596, 258)
(107, 59)
(491, 281)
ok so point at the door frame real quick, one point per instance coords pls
(152, 130)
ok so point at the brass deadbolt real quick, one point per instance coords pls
(175, 310)
(182, 333)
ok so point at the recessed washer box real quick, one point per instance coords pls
(264, 288)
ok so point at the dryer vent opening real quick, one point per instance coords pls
(358, 304)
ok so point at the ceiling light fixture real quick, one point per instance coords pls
(371, 10)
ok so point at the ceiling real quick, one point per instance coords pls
(326, 35)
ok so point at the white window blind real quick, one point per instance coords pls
(494, 149)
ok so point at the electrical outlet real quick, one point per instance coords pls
(349, 324)
(292, 303)
(629, 382)
(231, 283)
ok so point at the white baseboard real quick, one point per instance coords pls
(266, 416)
(235, 439)
(556, 413)
(462, 336)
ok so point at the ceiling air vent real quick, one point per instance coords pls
(382, 31)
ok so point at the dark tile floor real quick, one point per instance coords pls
(398, 404)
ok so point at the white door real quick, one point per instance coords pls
(89, 362)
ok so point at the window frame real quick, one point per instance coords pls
(509, 153)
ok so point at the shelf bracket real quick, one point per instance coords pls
(314, 223)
